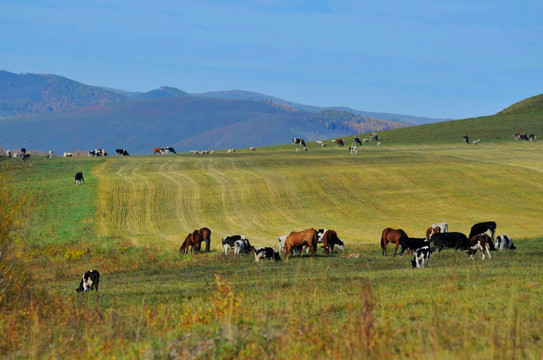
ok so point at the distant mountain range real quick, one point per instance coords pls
(52, 112)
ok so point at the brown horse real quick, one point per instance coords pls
(206, 236)
(391, 236)
(192, 240)
(307, 237)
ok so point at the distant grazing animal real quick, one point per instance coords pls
(374, 136)
(441, 227)
(330, 239)
(532, 137)
(488, 228)
(79, 178)
(23, 151)
(156, 151)
(339, 142)
(229, 242)
(267, 253)
(356, 141)
(299, 239)
(167, 150)
(121, 152)
(191, 241)
(412, 244)
(230, 151)
(421, 256)
(354, 150)
(67, 154)
(89, 282)
(450, 240)
(390, 235)
(252, 148)
(504, 242)
(50, 154)
(479, 242)
(9, 154)
(97, 152)
(26, 157)
(298, 141)
(466, 139)
(206, 237)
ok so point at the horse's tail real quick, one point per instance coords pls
(383, 246)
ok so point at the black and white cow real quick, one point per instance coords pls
(421, 256)
(449, 240)
(121, 152)
(26, 157)
(9, 154)
(167, 150)
(50, 154)
(356, 141)
(412, 244)
(504, 242)
(466, 139)
(298, 141)
(229, 242)
(89, 282)
(79, 178)
(488, 227)
(97, 152)
(267, 253)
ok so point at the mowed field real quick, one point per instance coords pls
(131, 216)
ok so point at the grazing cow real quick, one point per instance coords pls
(330, 239)
(26, 157)
(229, 242)
(267, 253)
(168, 149)
(156, 151)
(479, 242)
(98, 152)
(79, 178)
(391, 236)
(121, 152)
(441, 227)
(307, 237)
(50, 154)
(488, 228)
(280, 242)
(230, 151)
(354, 150)
(206, 236)
(532, 137)
(421, 256)
(252, 148)
(412, 244)
(466, 139)
(9, 154)
(191, 241)
(450, 240)
(89, 282)
(504, 242)
(339, 142)
(356, 141)
(67, 154)
(298, 141)
(374, 136)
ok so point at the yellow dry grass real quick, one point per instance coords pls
(156, 201)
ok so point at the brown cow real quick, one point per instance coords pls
(339, 142)
(157, 151)
(192, 240)
(479, 242)
(299, 239)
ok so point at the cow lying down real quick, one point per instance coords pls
(90, 281)
(267, 253)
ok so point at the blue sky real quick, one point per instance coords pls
(445, 59)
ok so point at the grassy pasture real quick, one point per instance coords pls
(134, 212)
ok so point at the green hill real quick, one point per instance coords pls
(533, 104)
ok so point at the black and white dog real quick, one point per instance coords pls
(267, 253)
(90, 281)
(421, 256)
